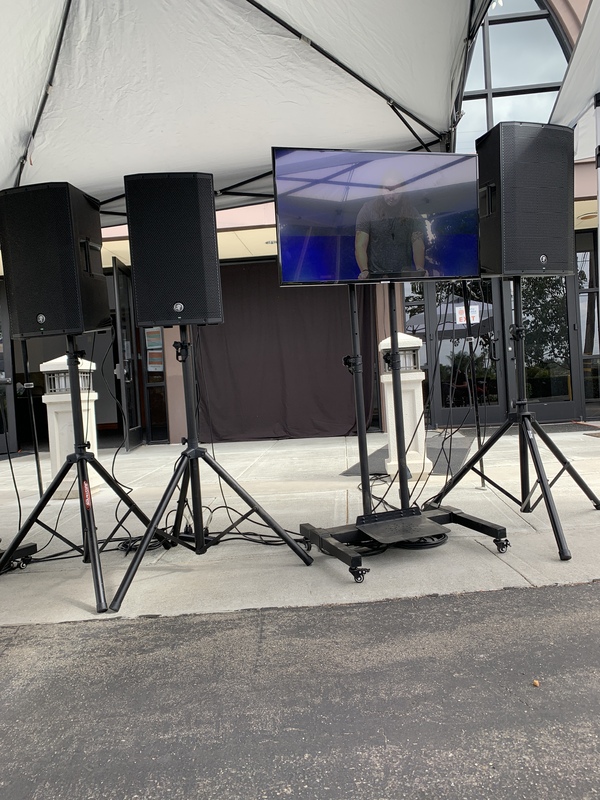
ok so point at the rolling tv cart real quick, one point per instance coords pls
(378, 530)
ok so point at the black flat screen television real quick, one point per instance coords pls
(346, 216)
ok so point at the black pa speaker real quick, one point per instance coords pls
(51, 242)
(526, 197)
(173, 244)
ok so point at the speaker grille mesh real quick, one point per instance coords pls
(538, 196)
(173, 241)
(41, 227)
(531, 168)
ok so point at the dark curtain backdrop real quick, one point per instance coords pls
(273, 369)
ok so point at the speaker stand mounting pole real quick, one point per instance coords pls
(81, 460)
(403, 472)
(473, 369)
(354, 364)
(187, 471)
(528, 427)
(34, 436)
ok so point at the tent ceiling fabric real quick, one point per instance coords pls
(575, 103)
(204, 86)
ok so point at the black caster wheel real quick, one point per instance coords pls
(358, 573)
(502, 545)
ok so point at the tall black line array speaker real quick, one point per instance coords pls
(51, 241)
(173, 244)
(526, 196)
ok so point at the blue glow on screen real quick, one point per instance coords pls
(322, 197)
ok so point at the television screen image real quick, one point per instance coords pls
(345, 216)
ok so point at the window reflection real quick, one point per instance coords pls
(586, 271)
(472, 125)
(476, 78)
(452, 349)
(511, 53)
(547, 356)
(499, 7)
(458, 387)
(589, 311)
(525, 53)
(589, 317)
(524, 107)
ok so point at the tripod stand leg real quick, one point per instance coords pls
(524, 470)
(256, 508)
(122, 495)
(194, 471)
(435, 501)
(35, 514)
(181, 502)
(192, 474)
(563, 550)
(147, 537)
(91, 553)
(565, 463)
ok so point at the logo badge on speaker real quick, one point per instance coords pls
(40, 319)
(178, 307)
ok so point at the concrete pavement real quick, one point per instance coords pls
(297, 481)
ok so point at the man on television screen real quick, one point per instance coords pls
(390, 237)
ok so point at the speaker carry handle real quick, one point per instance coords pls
(87, 245)
(487, 200)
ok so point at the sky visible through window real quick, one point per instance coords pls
(520, 54)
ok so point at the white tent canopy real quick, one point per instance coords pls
(211, 85)
(575, 103)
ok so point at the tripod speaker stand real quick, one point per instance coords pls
(81, 460)
(187, 471)
(528, 427)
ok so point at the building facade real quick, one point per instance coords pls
(274, 370)
(516, 69)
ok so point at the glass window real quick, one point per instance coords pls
(157, 405)
(589, 314)
(524, 107)
(524, 53)
(472, 125)
(588, 307)
(476, 78)
(584, 272)
(547, 355)
(456, 376)
(587, 274)
(512, 7)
